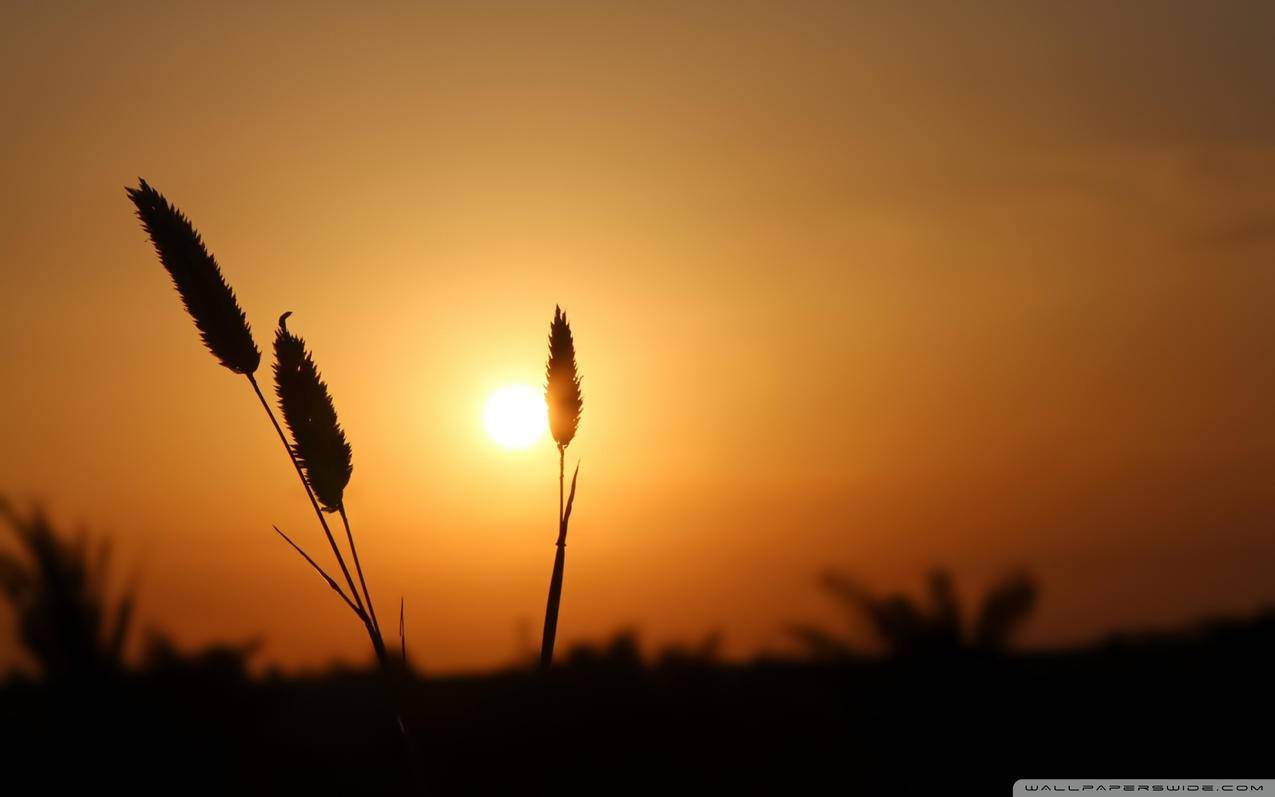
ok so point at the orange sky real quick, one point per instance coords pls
(869, 288)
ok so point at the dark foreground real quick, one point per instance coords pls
(1191, 705)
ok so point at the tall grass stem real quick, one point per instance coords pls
(309, 494)
(358, 568)
(559, 565)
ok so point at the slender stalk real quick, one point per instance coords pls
(358, 568)
(378, 644)
(321, 572)
(373, 629)
(402, 634)
(559, 564)
(551, 610)
(382, 655)
(321, 456)
(309, 494)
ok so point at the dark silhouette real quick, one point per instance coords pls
(905, 628)
(224, 329)
(321, 450)
(1173, 703)
(562, 382)
(58, 588)
(949, 704)
(318, 451)
(320, 445)
(211, 302)
(563, 398)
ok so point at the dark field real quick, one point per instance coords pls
(1192, 704)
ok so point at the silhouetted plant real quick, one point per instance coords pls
(706, 653)
(564, 401)
(319, 442)
(223, 662)
(58, 588)
(906, 628)
(320, 448)
(211, 302)
(319, 452)
(1005, 609)
(622, 652)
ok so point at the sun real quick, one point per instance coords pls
(515, 416)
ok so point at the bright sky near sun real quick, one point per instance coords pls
(516, 416)
(853, 285)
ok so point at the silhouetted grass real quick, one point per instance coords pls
(318, 451)
(211, 302)
(322, 451)
(563, 398)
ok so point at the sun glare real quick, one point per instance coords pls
(515, 416)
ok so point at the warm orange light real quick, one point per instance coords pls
(515, 416)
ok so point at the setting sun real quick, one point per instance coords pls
(515, 416)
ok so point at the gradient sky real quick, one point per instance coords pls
(875, 287)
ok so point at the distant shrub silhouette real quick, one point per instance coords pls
(223, 662)
(905, 628)
(623, 651)
(563, 398)
(706, 653)
(58, 588)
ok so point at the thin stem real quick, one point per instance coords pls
(555, 581)
(373, 629)
(402, 635)
(551, 610)
(321, 572)
(358, 568)
(378, 644)
(309, 493)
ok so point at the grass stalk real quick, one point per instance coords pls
(559, 564)
(309, 493)
(564, 403)
(331, 582)
(319, 451)
(358, 568)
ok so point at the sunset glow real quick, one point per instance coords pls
(515, 416)
(856, 287)
(458, 397)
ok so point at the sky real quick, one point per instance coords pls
(867, 287)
